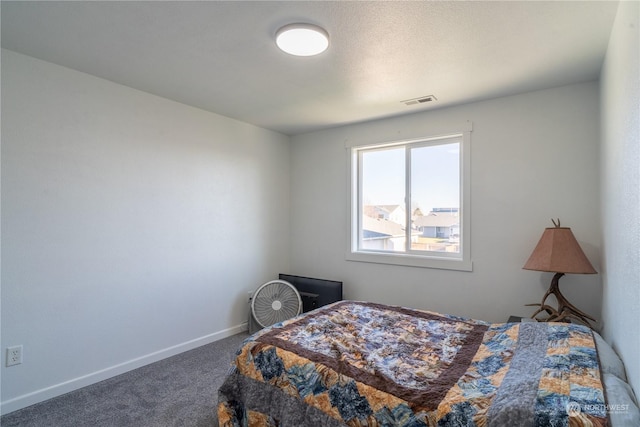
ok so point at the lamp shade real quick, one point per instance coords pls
(558, 251)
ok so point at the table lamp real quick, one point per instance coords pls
(558, 252)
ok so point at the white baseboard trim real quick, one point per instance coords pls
(103, 374)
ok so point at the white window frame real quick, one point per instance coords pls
(441, 260)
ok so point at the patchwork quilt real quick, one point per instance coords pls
(366, 364)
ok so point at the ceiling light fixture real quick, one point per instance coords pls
(302, 39)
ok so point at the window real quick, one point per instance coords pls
(410, 202)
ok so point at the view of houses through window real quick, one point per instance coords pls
(438, 230)
(423, 178)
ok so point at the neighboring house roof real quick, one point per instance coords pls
(374, 227)
(437, 220)
(391, 208)
(372, 210)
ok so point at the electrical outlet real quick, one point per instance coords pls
(14, 355)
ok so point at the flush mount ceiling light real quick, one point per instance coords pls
(302, 39)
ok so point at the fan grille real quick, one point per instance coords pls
(274, 302)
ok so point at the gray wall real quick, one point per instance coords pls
(132, 226)
(533, 157)
(620, 165)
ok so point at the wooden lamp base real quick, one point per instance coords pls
(565, 310)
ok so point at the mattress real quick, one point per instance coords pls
(366, 364)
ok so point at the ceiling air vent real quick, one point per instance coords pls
(421, 100)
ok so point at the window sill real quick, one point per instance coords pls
(410, 260)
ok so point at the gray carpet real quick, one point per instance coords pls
(179, 391)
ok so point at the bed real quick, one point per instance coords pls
(366, 364)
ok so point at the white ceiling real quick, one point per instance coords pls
(221, 56)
